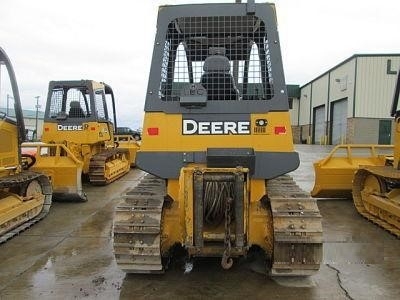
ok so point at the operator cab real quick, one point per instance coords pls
(226, 63)
(79, 101)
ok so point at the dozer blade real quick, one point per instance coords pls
(334, 174)
(63, 168)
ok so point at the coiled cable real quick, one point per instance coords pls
(216, 195)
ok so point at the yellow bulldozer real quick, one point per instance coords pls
(216, 145)
(368, 173)
(25, 196)
(78, 138)
(129, 143)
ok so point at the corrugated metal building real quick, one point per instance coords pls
(349, 103)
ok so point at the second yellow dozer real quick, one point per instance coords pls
(368, 173)
(217, 144)
(78, 138)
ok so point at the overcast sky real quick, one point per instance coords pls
(112, 41)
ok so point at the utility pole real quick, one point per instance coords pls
(8, 98)
(37, 111)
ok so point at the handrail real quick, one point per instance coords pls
(40, 145)
(348, 148)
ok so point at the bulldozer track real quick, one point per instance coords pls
(23, 179)
(97, 166)
(364, 210)
(137, 227)
(297, 229)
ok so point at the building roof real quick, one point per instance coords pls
(28, 114)
(349, 59)
(293, 90)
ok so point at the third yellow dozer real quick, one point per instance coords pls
(25, 196)
(129, 143)
(78, 138)
(368, 173)
(217, 144)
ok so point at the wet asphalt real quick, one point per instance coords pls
(68, 255)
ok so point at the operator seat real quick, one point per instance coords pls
(75, 110)
(217, 79)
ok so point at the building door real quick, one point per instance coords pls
(385, 132)
(339, 122)
(319, 125)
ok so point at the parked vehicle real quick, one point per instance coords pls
(128, 131)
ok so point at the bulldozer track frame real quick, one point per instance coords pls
(21, 180)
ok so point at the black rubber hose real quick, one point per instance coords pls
(32, 157)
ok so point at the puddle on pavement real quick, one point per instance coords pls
(98, 224)
(73, 271)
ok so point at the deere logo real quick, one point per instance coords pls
(190, 127)
(69, 127)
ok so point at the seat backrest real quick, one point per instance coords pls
(217, 79)
(75, 110)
